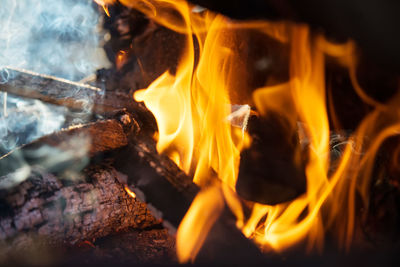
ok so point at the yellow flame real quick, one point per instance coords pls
(105, 8)
(104, 4)
(120, 59)
(286, 224)
(132, 194)
(192, 106)
(204, 210)
(189, 108)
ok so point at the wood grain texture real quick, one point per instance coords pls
(47, 208)
(73, 95)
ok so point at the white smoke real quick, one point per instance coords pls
(54, 37)
(27, 121)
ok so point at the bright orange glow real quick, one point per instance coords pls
(204, 210)
(193, 111)
(132, 194)
(104, 4)
(105, 7)
(121, 59)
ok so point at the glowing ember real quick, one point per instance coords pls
(121, 59)
(132, 194)
(192, 107)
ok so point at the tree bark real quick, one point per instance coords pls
(46, 208)
(73, 95)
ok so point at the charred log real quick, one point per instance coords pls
(47, 209)
(48, 190)
(68, 204)
(272, 168)
(73, 95)
(150, 54)
(156, 180)
(71, 148)
(46, 88)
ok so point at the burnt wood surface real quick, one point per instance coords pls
(47, 209)
(272, 169)
(169, 192)
(70, 147)
(73, 95)
(83, 197)
(46, 88)
(157, 181)
(78, 164)
(55, 189)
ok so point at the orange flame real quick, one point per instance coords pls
(204, 210)
(132, 194)
(105, 7)
(104, 4)
(192, 107)
(121, 59)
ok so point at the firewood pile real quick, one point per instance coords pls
(80, 189)
(76, 195)
(99, 192)
(72, 193)
(85, 188)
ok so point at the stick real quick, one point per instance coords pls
(73, 95)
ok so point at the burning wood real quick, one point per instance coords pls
(50, 197)
(49, 209)
(275, 182)
(270, 170)
(189, 114)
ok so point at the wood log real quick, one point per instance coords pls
(156, 180)
(73, 95)
(82, 100)
(272, 169)
(53, 195)
(46, 88)
(71, 147)
(169, 192)
(46, 209)
(62, 157)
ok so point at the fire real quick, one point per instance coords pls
(121, 59)
(132, 194)
(105, 7)
(192, 106)
(104, 4)
(205, 209)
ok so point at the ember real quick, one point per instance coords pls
(133, 195)
(248, 140)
